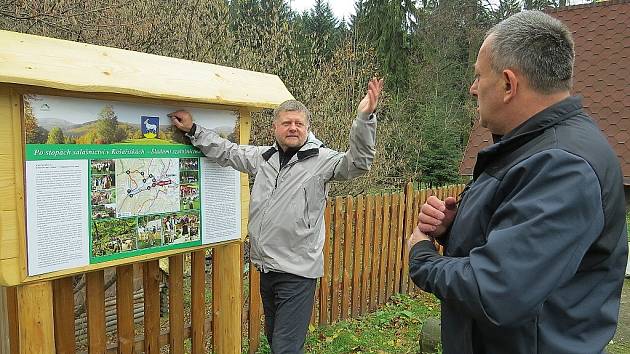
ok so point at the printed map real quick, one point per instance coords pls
(147, 186)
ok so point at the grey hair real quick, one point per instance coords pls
(292, 106)
(536, 44)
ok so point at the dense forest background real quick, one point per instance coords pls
(425, 50)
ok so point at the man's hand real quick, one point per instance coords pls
(417, 236)
(436, 215)
(370, 101)
(182, 120)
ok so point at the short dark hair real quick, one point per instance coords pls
(538, 45)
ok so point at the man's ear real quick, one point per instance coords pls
(510, 85)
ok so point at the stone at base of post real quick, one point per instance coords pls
(430, 335)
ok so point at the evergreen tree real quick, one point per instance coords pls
(321, 30)
(445, 44)
(441, 146)
(505, 9)
(539, 4)
(386, 25)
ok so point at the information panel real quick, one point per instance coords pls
(108, 180)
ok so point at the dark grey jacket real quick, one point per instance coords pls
(286, 208)
(535, 258)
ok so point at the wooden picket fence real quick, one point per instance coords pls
(365, 256)
(180, 336)
(365, 263)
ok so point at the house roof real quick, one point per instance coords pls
(601, 75)
(53, 63)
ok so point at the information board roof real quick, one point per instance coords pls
(53, 63)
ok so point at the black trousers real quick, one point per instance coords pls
(288, 305)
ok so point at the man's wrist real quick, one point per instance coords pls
(366, 116)
(424, 248)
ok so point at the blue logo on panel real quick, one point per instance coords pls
(150, 126)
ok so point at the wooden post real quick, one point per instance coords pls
(357, 263)
(35, 314)
(124, 309)
(63, 312)
(376, 251)
(176, 304)
(408, 229)
(347, 257)
(336, 271)
(151, 284)
(255, 309)
(226, 300)
(4, 322)
(198, 301)
(13, 321)
(367, 248)
(324, 287)
(95, 297)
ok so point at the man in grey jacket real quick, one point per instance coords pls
(536, 249)
(287, 202)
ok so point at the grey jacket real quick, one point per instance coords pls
(286, 210)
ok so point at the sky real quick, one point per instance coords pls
(345, 8)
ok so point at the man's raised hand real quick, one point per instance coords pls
(370, 101)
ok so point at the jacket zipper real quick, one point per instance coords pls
(267, 206)
(308, 219)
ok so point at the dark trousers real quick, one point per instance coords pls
(288, 304)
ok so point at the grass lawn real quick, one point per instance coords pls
(392, 329)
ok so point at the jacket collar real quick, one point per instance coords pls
(310, 148)
(527, 131)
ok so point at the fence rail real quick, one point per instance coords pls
(365, 263)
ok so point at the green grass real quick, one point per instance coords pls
(392, 329)
(618, 348)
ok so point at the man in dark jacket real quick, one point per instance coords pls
(535, 251)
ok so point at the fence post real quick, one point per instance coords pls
(324, 286)
(35, 314)
(226, 309)
(408, 228)
(255, 311)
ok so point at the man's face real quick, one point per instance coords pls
(290, 129)
(488, 88)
